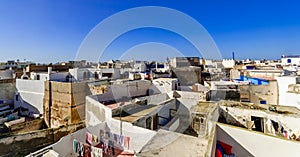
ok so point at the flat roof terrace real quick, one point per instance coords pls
(135, 114)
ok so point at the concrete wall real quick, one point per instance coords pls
(165, 111)
(191, 95)
(96, 112)
(211, 120)
(30, 95)
(61, 76)
(138, 137)
(251, 143)
(264, 73)
(78, 73)
(237, 149)
(128, 89)
(7, 89)
(158, 98)
(7, 74)
(173, 125)
(228, 63)
(166, 85)
(43, 76)
(183, 113)
(290, 123)
(23, 144)
(257, 93)
(284, 61)
(187, 76)
(286, 98)
(216, 95)
(234, 74)
(162, 111)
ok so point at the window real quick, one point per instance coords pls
(201, 120)
(17, 97)
(263, 102)
(289, 61)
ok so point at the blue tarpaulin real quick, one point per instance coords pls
(255, 81)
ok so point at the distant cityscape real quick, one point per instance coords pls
(148, 78)
(148, 108)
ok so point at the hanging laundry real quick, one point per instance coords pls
(107, 134)
(293, 137)
(81, 153)
(111, 147)
(126, 142)
(102, 135)
(96, 152)
(87, 150)
(105, 146)
(78, 148)
(88, 138)
(121, 138)
(95, 139)
(286, 134)
(116, 138)
(75, 145)
(269, 127)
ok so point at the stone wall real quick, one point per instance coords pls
(64, 103)
(23, 144)
(187, 76)
(258, 93)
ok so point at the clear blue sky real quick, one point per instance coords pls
(52, 30)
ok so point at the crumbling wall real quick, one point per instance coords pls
(23, 144)
(127, 90)
(187, 76)
(239, 116)
(216, 95)
(269, 93)
(64, 103)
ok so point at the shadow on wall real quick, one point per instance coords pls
(20, 103)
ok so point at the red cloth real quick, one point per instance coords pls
(126, 142)
(88, 138)
(226, 147)
(87, 151)
(218, 153)
(118, 152)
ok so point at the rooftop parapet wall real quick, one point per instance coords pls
(8, 87)
(239, 114)
(23, 144)
(129, 89)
